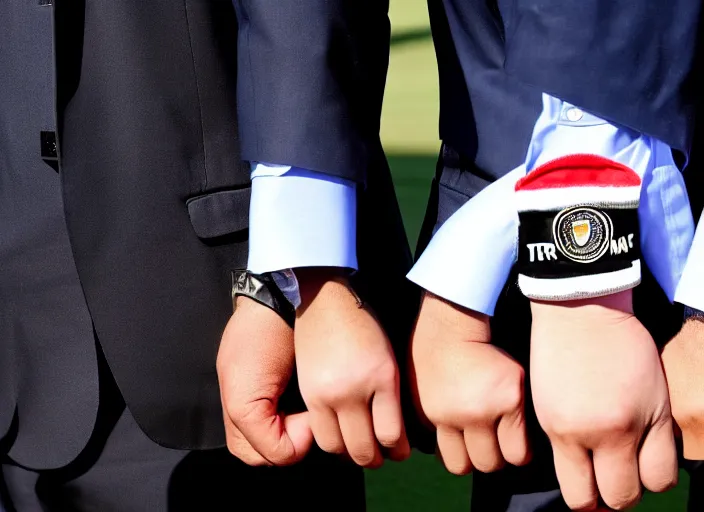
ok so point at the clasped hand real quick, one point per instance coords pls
(598, 389)
(347, 374)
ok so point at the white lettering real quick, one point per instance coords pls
(622, 244)
(531, 251)
(550, 252)
(542, 251)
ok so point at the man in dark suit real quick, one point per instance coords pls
(126, 132)
(566, 126)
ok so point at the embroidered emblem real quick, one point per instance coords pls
(582, 234)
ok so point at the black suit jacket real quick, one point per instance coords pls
(159, 104)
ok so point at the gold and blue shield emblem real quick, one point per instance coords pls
(581, 231)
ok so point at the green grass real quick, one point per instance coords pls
(409, 132)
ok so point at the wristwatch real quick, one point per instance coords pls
(264, 289)
(693, 314)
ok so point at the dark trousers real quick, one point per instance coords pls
(122, 470)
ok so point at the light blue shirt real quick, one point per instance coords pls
(477, 245)
(301, 218)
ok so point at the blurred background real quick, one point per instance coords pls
(410, 136)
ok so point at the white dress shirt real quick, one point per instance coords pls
(301, 218)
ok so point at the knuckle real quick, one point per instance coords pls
(579, 423)
(363, 456)
(624, 501)
(479, 412)
(331, 396)
(436, 411)
(519, 459)
(582, 505)
(458, 469)
(389, 440)
(328, 390)
(331, 446)
(489, 466)
(615, 421)
(513, 397)
(449, 417)
(518, 452)
(561, 426)
(663, 483)
(385, 373)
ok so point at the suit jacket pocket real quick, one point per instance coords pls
(220, 213)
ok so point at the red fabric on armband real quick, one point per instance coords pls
(579, 171)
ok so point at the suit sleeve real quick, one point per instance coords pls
(638, 54)
(311, 79)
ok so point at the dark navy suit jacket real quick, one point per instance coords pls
(158, 105)
(633, 63)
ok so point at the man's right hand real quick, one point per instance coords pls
(255, 363)
(600, 395)
(347, 372)
(468, 389)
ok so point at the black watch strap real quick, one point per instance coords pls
(693, 314)
(262, 289)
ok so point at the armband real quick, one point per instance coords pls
(578, 235)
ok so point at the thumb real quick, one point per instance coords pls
(281, 440)
(300, 435)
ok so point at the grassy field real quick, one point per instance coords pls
(409, 131)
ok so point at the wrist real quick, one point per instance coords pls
(261, 288)
(462, 322)
(577, 237)
(617, 305)
(328, 284)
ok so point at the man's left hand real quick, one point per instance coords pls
(254, 364)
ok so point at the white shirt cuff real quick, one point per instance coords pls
(300, 218)
(690, 291)
(470, 257)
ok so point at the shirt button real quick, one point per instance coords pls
(574, 114)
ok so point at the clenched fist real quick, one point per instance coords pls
(600, 395)
(255, 364)
(470, 390)
(347, 373)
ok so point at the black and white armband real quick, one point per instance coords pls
(578, 233)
